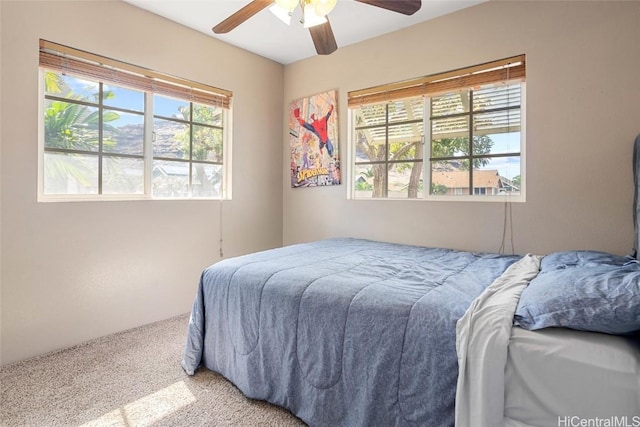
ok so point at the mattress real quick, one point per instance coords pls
(560, 377)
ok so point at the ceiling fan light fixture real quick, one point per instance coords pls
(282, 14)
(323, 7)
(287, 5)
(310, 18)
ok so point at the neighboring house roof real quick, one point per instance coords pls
(460, 179)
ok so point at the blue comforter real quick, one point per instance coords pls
(342, 332)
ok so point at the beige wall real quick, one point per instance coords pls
(76, 271)
(583, 81)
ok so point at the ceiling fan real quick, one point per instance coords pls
(314, 16)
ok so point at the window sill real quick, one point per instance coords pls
(118, 198)
(477, 199)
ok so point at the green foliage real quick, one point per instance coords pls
(438, 188)
(368, 173)
(450, 147)
(72, 126)
(202, 143)
(52, 82)
(206, 142)
(403, 150)
(75, 126)
(363, 186)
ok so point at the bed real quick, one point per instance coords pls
(353, 332)
(553, 347)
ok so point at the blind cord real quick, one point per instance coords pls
(507, 201)
(508, 218)
(220, 223)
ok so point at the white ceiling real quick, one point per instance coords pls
(267, 36)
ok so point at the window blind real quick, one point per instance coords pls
(65, 59)
(503, 70)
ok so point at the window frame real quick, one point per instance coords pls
(190, 160)
(520, 198)
(386, 126)
(169, 86)
(408, 89)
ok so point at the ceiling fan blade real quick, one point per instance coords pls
(240, 16)
(406, 7)
(323, 38)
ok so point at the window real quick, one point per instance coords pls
(113, 130)
(456, 135)
(389, 149)
(187, 149)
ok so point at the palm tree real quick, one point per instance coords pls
(71, 127)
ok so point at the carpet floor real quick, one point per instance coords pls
(132, 378)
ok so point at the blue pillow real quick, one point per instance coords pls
(582, 259)
(583, 290)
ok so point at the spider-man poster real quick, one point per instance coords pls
(313, 141)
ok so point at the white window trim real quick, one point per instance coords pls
(148, 161)
(521, 198)
(507, 197)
